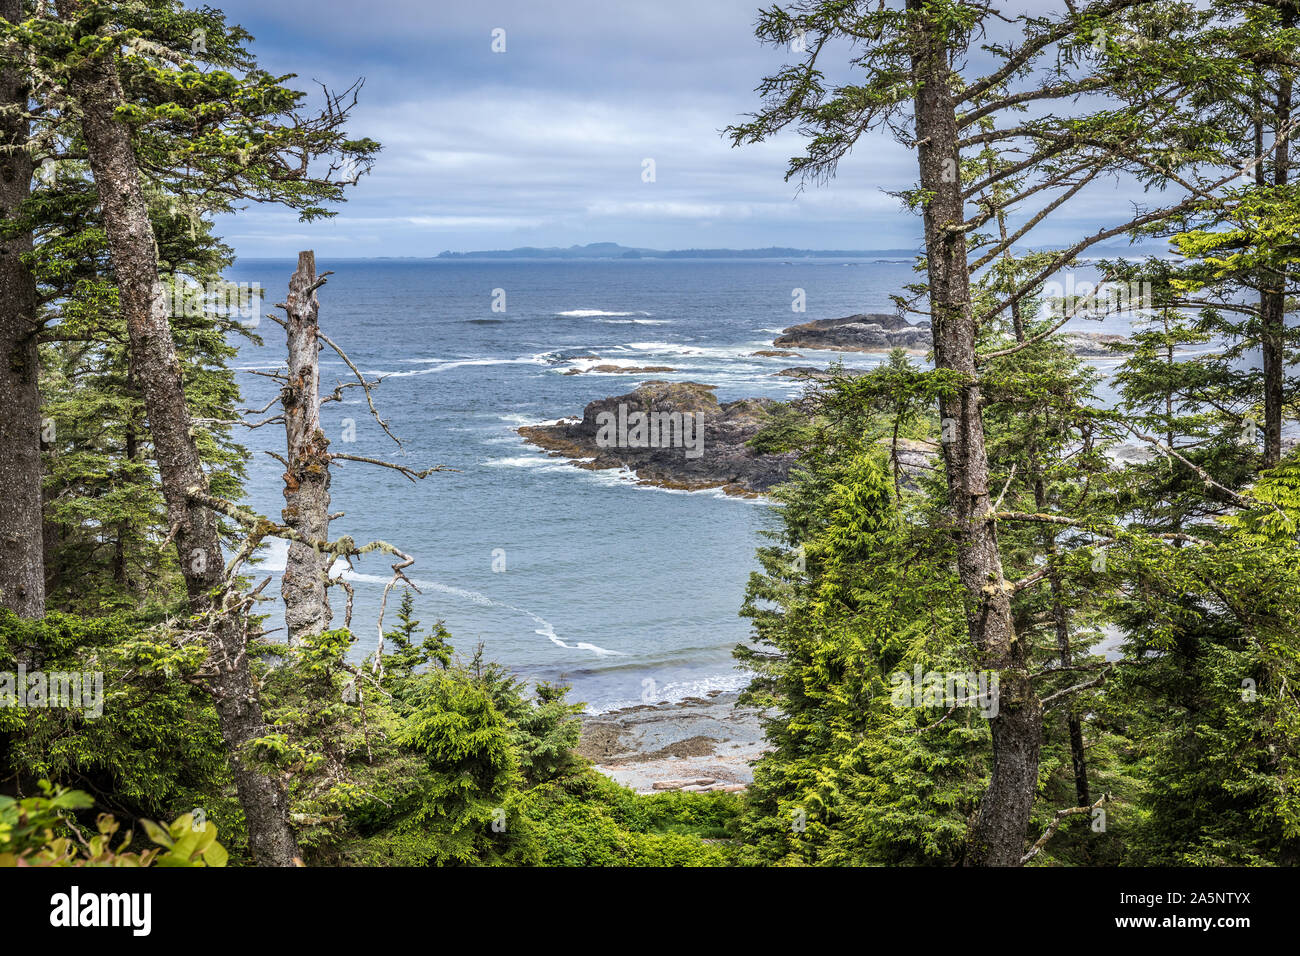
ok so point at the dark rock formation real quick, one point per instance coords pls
(821, 374)
(878, 332)
(1093, 344)
(873, 332)
(720, 460)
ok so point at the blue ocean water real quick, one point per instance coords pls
(625, 592)
(622, 591)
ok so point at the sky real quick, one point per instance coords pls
(545, 144)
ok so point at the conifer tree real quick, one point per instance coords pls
(22, 565)
(212, 137)
(912, 78)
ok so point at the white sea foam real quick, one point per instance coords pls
(547, 631)
(274, 555)
(593, 313)
(544, 628)
(443, 365)
(516, 418)
(675, 691)
(520, 462)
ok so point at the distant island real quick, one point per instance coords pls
(612, 250)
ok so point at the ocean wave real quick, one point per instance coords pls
(594, 313)
(520, 462)
(543, 628)
(278, 552)
(444, 365)
(673, 692)
(516, 418)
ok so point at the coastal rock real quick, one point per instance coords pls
(774, 353)
(622, 369)
(1093, 344)
(658, 747)
(819, 374)
(878, 332)
(720, 460)
(866, 332)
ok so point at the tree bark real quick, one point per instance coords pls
(96, 88)
(307, 479)
(1061, 620)
(998, 835)
(22, 554)
(1272, 299)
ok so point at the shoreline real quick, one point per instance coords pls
(694, 745)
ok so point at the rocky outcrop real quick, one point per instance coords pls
(1093, 344)
(821, 374)
(695, 745)
(622, 369)
(669, 451)
(878, 332)
(868, 332)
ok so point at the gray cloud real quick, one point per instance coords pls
(544, 144)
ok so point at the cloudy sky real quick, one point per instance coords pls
(544, 144)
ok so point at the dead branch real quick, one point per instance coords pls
(365, 386)
(1244, 501)
(409, 473)
(1056, 825)
(1066, 692)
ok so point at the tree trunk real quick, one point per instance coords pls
(307, 479)
(97, 90)
(998, 835)
(122, 530)
(1272, 299)
(22, 555)
(1061, 619)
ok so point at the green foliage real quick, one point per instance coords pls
(156, 748)
(37, 831)
(850, 595)
(592, 821)
(785, 429)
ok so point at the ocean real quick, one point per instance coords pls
(627, 593)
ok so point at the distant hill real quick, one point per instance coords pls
(612, 250)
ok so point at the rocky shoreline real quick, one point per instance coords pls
(695, 745)
(713, 452)
(723, 459)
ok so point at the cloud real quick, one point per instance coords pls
(544, 144)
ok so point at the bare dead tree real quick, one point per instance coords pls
(307, 473)
(308, 576)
